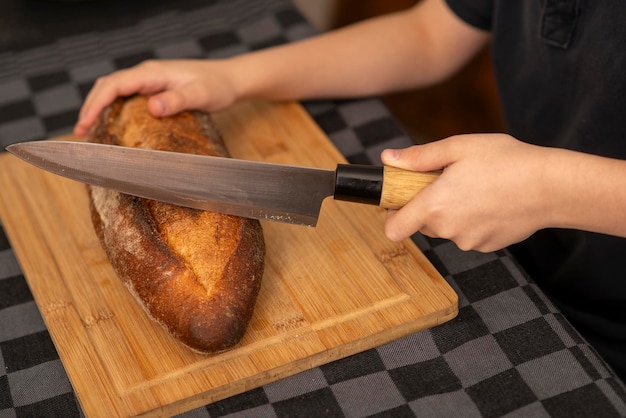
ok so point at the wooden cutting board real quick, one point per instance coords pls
(328, 292)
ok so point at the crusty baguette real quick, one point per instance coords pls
(196, 273)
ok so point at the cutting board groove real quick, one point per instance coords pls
(328, 292)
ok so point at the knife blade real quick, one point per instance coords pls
(250, 189)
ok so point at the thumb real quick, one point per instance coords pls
(427, 157)
(173, 101)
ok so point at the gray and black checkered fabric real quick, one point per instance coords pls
(509, 352)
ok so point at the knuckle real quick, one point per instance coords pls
(102, 80)
(472, 241)
(464, 244)
(150, 65)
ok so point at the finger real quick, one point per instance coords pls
(91, 109)
(170, 102)
(107, 89)
(428, 232)
(427, 157)
(157, 105)
(402, 223)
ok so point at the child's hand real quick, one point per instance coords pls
(174, 86)
(490, 194)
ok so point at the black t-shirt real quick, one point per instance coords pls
(560, 68)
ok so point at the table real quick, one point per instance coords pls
(509, 351)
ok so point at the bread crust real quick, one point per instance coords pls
(197, 273)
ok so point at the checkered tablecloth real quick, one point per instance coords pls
(509, 351)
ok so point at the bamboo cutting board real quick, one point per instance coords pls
(328, 292)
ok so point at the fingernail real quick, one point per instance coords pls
(391, 154)
(158, 106)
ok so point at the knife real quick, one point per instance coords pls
(250, 189)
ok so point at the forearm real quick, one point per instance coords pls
(586, 192)
(392, 52)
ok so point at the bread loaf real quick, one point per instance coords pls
(197, 273)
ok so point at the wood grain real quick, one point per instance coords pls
(328, 292)
(400, 186)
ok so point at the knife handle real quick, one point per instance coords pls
(388, 187)
(400, 186)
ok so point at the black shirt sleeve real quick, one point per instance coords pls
(478, 13)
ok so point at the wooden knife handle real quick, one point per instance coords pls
(388, 187)
(400, 186)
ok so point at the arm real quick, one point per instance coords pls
(412, 48)
(392, 52)
(496, 191)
